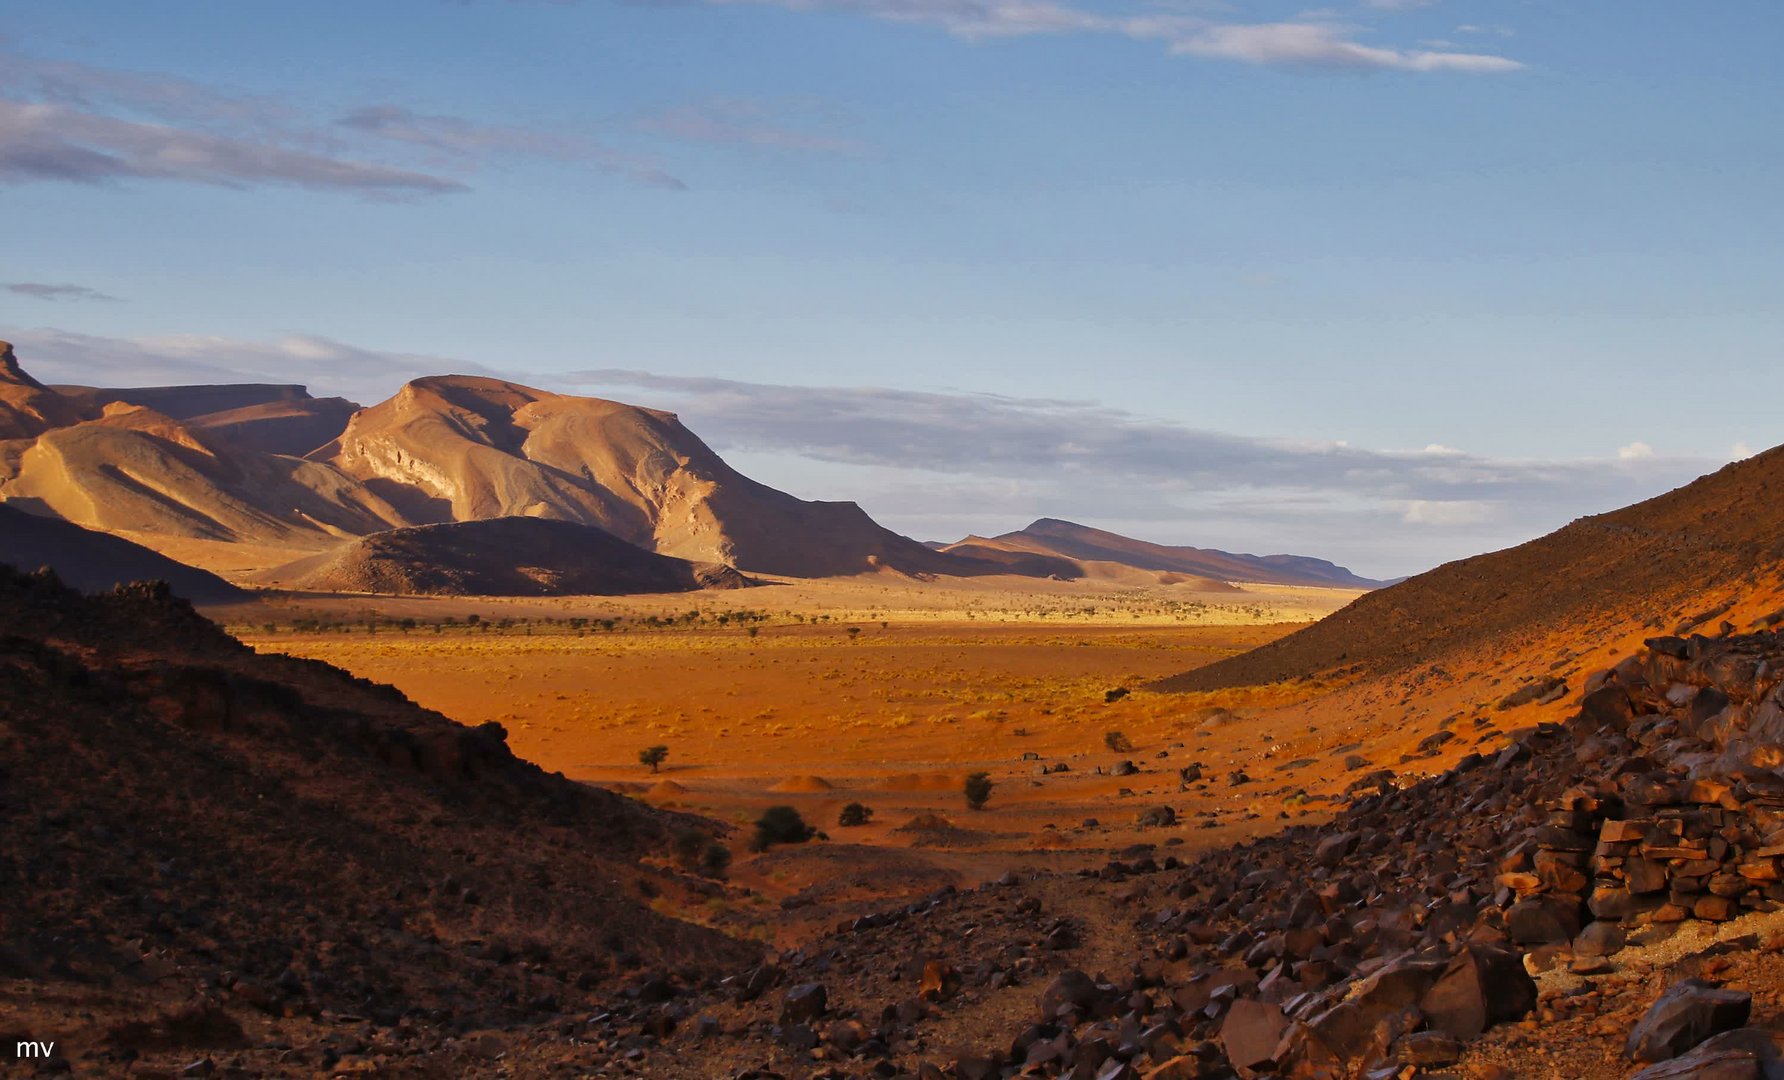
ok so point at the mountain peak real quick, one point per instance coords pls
(11, 372)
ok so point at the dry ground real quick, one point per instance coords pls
(879, 690)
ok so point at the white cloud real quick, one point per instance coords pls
(1740, 452)
(1314, 41)
(328, 367)
(1635, 451)
(1446, 512)
(1325, 45)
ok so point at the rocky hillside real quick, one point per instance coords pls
(208, 852)
(511, 556)
(250, 476)
(1531, 912)
(1700, 541)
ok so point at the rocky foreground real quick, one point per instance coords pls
(216, 863)
(1540, 888)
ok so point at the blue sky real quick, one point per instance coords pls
(1389, 282)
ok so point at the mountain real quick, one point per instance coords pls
(246, 477)
(458, 448)
(95, 561)
(1649, 566)
(142, 473)
(268, 417)
(27, 407)
(511, 556)
(1093, 548)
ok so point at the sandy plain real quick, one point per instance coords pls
(880, 690)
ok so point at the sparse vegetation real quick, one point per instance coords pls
(855, 814)
(978, 790)
(654, 756)
(780, 825)
(1117, 742)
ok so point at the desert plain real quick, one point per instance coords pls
(877, 689)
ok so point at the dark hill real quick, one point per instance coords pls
(95, 561)
(206, 851)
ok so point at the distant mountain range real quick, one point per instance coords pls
(1099, 554)
(263, 482)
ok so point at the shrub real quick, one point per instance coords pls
(688, 845)
(653, 756)
(978, 790)
(780, 825)
(1117, 742)
(715, 860)
(855, 814)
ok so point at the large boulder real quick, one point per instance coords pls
(1250, 1034)
(1481, 987)
(1688, 1013)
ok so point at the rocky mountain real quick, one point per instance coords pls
(95, 561)
(270, 468)
(1099, 553)
(27, 407)
(271, 418)
(208, 855)
(510, 556)
(456, 448)
(1675, 558)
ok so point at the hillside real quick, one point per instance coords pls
(1613, 572)
(208, 851)
(94, 561)
(457, 448)
(137, 471)
(509, 556)
(27, 407)
(1097, 551)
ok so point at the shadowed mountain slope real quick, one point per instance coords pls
(500, 557)
(1616, 569)
(95, 561)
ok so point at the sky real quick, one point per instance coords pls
(1389, 282)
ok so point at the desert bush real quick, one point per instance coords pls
(715, 860)
(688, 845)
(653, 756)
(855, 814)
(780, 825)
(978, 790)
(1117, 741)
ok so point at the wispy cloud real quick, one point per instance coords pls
(39, 290)
(734, 122)
(1314, 41)
(1316, 44)
(946, 464)
(470, 143)
(67, 122)
(325, 365)
(49, 142)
